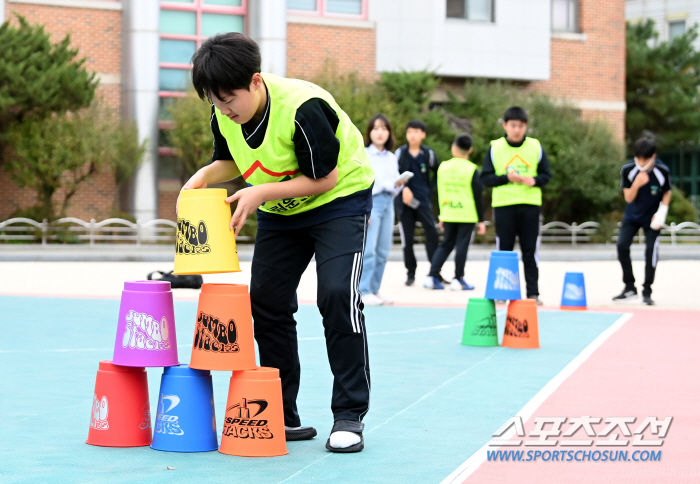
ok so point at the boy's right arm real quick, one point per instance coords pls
(488, 173)
(630, 192)
(216, 172)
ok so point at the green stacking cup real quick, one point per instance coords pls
(480, 323)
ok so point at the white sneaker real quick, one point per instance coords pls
(372, 300)
(455, 285)
(385, 301)
(428, 282)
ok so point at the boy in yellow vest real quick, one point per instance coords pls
(517, 168)
(310, 181)
(461, 206)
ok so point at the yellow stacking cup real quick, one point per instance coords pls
(204, 245)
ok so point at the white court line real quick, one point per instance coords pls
(403, 410)
(500, 312)
(473, 463)
(314, 338)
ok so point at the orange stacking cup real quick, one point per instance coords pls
(223, 335)
(121, 414)
(521, 325)
(254, 419)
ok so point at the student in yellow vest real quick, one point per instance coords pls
(310, 181)
(461, 207)
(517, 168)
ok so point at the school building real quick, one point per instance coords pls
(573, 50)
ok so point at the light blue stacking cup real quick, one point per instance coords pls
(185, 421)
(504, 276)
(573, 295)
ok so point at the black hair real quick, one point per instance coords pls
(463, 142)
(644, 148)
(417, 124)
(224, 63)
(515, 113)
(389, 145)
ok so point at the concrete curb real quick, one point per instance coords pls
(131, 253)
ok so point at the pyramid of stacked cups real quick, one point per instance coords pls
(521, 329)
(223, 341)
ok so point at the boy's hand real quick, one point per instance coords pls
(482, 229)
(442, 226)
(407, 196)
(514, 177)
(196, 181)
(528, 181)
(640, 180)
(249, 199)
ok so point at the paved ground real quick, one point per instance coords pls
(645, 367)
(676, 285)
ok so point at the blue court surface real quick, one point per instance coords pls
(434, 401)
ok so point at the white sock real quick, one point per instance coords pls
(342, 440)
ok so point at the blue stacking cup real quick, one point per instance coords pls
(504, 276)
(185, 421)
(573, 295)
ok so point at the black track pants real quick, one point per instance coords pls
(279, 260)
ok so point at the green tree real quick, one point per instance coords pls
(55, 155)
(190, 133)
(401, 96)
(39, 78)
(663, 79)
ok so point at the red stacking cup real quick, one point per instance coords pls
(121, 413)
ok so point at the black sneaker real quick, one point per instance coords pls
(627, 295)
(648, 300)
(410, 280)
(299, 433)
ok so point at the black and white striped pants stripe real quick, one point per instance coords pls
(280, 258)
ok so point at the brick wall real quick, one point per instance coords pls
(168, 191)
(313, 48)
(97, 34)
(592, 69)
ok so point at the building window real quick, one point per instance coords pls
(476, 10)
(565, 16)
(329, 8)
(184, 25)
(676, 29)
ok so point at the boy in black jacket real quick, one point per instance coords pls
(415, 205)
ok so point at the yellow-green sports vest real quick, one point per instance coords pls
(523, 160)
(455, 191)
(275, 161)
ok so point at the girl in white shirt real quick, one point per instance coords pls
(379, 140)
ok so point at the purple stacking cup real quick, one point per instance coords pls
(146, 328)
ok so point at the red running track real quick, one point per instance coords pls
(649, 367)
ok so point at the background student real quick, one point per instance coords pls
(517, 168)
(646, 184)
(415, 205)
(379, 141)
(461, 207)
